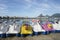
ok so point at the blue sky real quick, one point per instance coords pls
(30, 8)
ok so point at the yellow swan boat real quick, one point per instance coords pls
(26, 29)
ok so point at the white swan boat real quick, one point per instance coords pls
(56, 26)
(13, 30)
(3, 30)
(37, 27)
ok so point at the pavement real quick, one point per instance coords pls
(52, 36)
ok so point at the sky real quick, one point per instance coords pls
(29, 8)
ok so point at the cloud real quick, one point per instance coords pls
(3, 8)
(29, 1)
(29, 6)
(45, 4)
(35, 4)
